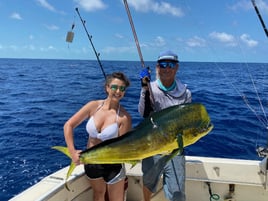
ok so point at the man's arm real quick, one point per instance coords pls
(145, 106)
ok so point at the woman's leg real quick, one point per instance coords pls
(116, 191)
(99, 189)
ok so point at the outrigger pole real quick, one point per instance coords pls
(90, 37)
(260, 18)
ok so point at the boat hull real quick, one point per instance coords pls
(230, 179)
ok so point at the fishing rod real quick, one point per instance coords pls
(90, 37)
(134, 33)
(138, 46)
(260, 18)
(141, 58)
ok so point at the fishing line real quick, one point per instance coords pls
(263, 120)
(90, 40)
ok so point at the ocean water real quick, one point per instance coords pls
(38, 96)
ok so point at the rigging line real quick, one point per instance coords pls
(90, 37)
(264, 120)
(260, 18)
(244, 98)
(259, 99)
(212, 52)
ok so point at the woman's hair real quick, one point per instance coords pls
(117, 75)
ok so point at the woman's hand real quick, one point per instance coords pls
(75, 157)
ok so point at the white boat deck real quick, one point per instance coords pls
(230, 179)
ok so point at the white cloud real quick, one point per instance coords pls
(52, 27)
(91, 5)
(29, 47)
(244, 5)
(46, 49)
(117, 35)
(247, 5)
(249, 42)
(223, 37)
(46, 5)
(122, 49)
(16, 16)
(161, 7)
(196, 42)
(51, 47)
(262, 5)
(159, 41)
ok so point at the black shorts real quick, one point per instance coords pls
(108, 172)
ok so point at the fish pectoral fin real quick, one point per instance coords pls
(62, 149)
(175, 152)
(168, 157)
(180, 144)
(158, 167)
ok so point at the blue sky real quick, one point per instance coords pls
(198, 30)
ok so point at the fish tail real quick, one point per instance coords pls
(65, 151)
(71, 169)
(62, 149)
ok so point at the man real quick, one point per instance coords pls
(164, 92)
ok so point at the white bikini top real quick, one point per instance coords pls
(109, 132)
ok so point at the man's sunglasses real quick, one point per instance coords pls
(114, 87)
(167, 64)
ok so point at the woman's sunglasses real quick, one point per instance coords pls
(166, 64)
(114, 87)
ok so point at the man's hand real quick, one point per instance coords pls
(145, 76)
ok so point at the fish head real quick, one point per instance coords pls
(190, 120)
(192, 135)
(197, 123)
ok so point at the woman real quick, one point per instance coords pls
(106, 119)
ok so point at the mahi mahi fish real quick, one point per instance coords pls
(170, 129)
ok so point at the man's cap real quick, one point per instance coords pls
(168, 55)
